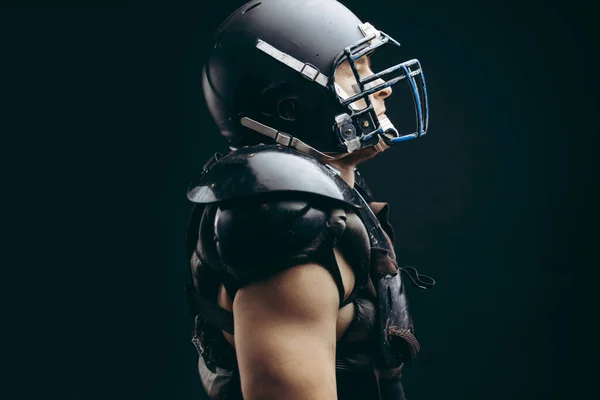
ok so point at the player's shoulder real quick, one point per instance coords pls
(268, 208)
(261, 236)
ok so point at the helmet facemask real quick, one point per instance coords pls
(361, 127)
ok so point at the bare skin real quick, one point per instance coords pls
(287, 326)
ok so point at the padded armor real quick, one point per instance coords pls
(254, 239)
(253, 219)
(356, 349)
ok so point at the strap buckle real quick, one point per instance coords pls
(310, 72)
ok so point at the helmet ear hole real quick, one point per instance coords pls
(288, 109)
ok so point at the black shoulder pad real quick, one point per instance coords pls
(262, 169)
(256, 239)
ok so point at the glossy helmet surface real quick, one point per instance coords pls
(270, 78)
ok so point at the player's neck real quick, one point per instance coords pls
(346, 172)
(347, 165)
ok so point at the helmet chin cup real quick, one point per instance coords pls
(381, 146)
(387, 127)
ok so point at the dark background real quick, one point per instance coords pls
(104, 126)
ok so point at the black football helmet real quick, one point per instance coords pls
(271, 78)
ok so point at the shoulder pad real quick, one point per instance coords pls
(262, 169)
(252, 240)
(256, 238)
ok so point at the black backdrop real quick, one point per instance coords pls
(106, 127)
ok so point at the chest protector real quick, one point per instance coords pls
(262, 209)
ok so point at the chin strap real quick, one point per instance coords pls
(284, 139)
(289, 141)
